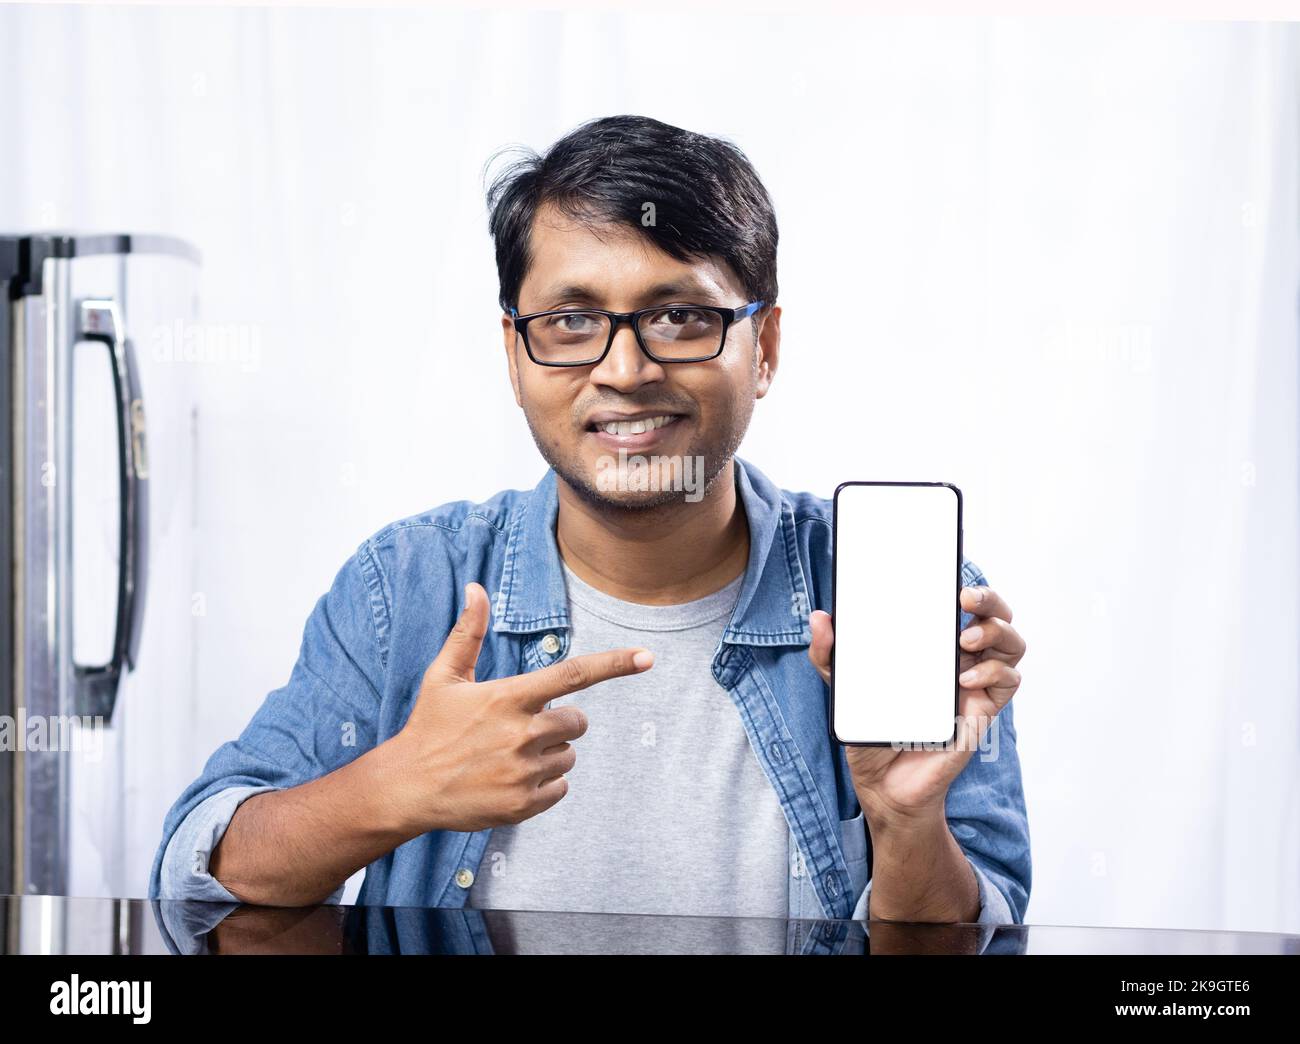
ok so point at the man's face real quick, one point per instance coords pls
(708, 403)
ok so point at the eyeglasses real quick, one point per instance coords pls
(667, 334)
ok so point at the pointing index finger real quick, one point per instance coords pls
(537, 688)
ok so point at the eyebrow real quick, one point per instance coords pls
(588, 295)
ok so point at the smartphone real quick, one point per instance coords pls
(896, 609)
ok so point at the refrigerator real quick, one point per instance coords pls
(98, 375)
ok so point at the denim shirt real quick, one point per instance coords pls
(372, 635)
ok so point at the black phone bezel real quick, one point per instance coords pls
(956, 692)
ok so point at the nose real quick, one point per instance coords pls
(626, 367)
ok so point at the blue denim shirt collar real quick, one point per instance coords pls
(771, 609)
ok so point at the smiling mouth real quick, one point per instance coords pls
(638, 426)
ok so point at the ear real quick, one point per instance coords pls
(768, 349)
(510, 338)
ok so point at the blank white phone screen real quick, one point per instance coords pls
(897, 569)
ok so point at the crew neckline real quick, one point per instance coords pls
(642, 617)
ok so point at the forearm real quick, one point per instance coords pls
(919, 871)
(295, 847)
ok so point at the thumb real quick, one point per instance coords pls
(459, 653)
(823, 637)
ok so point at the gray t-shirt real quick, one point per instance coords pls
(668, 810)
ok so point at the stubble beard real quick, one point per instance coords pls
(712, 456)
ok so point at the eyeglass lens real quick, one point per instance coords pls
(674, 333)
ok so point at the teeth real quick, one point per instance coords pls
(636, 427)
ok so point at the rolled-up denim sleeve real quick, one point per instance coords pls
(326, 715)
(994, 908)
(186, 864)
(186, 861)
(985, 810)
(203, 901)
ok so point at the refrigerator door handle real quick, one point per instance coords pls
(96, 687)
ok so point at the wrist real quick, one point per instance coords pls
(393, 808)
(886, 817)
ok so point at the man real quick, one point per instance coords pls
(609, 693)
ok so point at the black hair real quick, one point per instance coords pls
(708, 200)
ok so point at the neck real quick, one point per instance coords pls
(673, 553)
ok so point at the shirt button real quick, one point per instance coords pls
(550, 643)
(464, 877)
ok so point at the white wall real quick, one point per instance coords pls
(1053, 262)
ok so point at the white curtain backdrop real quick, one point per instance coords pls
(1054, 262)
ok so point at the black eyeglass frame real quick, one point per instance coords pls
(617, 319)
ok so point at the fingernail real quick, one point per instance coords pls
(967, 677)
(970, 634)
(979, 597)
(643, 659)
